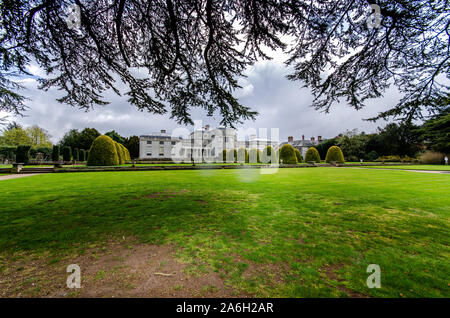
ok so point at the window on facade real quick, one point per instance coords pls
(149, 154)
(173, 143)
(161, 154)
(149, 142)
(161, 142)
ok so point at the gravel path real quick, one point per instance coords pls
(14, 176)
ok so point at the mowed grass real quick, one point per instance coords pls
(417, 167)
(296, 233)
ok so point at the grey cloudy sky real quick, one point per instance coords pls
(281, 104)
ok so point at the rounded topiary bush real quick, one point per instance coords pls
(103, 152)
(334, 153)
(287, 155)
(231, 155)
(242, 155)
(126, 153)
(298, 155)
(269, 155)
(120, 153)
(253, 156)
(312, 155)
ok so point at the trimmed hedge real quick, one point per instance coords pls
(269, 155)
(23, 154)
(120, 153)
(103, 152)
(334, 153)
(8, 152)
(126, 153)
(55, 154)
(242, 155)
(82, 155)
(231, 155)
(67, 153)
(76, 154)
(298, 155)
(253, 156)
(312, 155)
(287, 154)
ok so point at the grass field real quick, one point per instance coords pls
(296, 233)
(417, 167)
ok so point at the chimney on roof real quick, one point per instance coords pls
(312, 139)
(303, 137)
(163, 131)
(290, 139)
(319, 138)
(206, 127)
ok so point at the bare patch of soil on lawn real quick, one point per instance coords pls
(330, 272)
(112, 270)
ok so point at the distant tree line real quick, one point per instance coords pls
(405, 139)
(74, 145)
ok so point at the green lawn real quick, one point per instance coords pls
(417, 167)
(313, 231)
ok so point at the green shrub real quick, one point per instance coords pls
(242, 155)
(55, 154)
(253, 156)
(312, 155)
(224, 155)
(103, 152)
(67, 153)
(8, 152)
(334, 153)
(126, 153)
(120, 153)
(23, 154)
(298, 155)
(231, 155)
(76, 154)
(431, 157)
(287, 155)
(389, 159)
(269, 155)
(372, 155)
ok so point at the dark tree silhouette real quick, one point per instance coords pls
(179, 54)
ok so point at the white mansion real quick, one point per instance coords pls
(202, 144)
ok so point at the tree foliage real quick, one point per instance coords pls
(176, 54)
(436, 132)
(132, 144)
(35, 136)
(79, 139)
(115, 136)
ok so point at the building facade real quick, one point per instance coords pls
(202, 145)
(303, 144)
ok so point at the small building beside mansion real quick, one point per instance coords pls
(303, 144)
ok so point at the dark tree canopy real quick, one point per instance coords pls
(177, 54)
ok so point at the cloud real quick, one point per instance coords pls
(280, 103)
